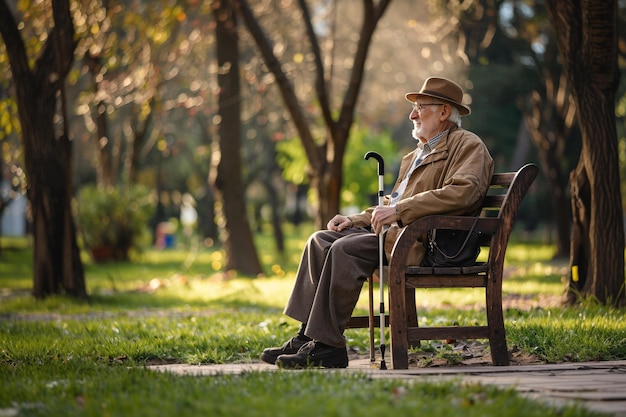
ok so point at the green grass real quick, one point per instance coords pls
(65, 357)
(59, 390)
(588, 333)
(115, 390)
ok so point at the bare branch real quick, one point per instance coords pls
(371, 15)
(286, 89)
(321, 87)
(14, 44)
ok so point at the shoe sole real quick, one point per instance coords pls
(319, 364)
(269, 358)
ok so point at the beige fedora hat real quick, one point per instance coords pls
(442, 89)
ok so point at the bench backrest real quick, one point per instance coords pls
(503, 201)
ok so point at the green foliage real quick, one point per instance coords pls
(360, 182)
(360, 186)
(291, 157)
(113, 218)
(9, 123)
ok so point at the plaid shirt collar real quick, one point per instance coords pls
(430, 145)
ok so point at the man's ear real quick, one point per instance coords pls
(445, 112)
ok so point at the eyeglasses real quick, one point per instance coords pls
(420, 107)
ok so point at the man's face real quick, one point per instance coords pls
(427, 119)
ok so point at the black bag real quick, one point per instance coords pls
(448, 247)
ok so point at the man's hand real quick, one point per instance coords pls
(383, 216)
(339, 223)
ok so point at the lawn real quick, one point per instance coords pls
(64, 357)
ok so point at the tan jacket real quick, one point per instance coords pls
(453, 179)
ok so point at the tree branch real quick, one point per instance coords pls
(320, 82)
(285, 87)
(14, 45)
(371, 15)
(59, 48)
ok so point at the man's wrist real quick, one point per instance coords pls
(399, 221)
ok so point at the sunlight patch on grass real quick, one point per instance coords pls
(271, 291)
(175, 292)
(546, 278)
(591, 333)
(546, 287)
(523, 253)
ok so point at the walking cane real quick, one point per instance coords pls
(381, 251)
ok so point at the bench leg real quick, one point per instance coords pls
(495, 321)
(497, 341)
(398, 323)
(411, 308)
(411, 314)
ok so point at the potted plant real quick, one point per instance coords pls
(112, 222)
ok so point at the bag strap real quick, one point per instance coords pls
(433, 243)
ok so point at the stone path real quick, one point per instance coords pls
(599, 386)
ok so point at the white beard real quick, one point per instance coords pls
(414, 133)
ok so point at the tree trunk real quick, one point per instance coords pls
(140, 126)
(580, 250)
(586, 32)
(327, 183)
(57, 262)
(550, 151)
(226, 167)
(104, 168)
(267, 175)
(550, 115)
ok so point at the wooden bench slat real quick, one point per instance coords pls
(493, 201)
(362, 322)
(415, 334)
(503, 179)
(456, 270)
(446, 281)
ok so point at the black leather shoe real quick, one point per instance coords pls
(291, 346)
(315, 354)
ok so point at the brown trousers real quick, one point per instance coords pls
(333, 268)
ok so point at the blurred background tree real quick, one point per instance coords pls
(225, 173)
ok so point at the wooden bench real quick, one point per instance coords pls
(495, 224)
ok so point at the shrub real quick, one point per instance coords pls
(112, 222)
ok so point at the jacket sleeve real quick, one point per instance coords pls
(364, 218)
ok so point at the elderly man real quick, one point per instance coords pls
(448, 173)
